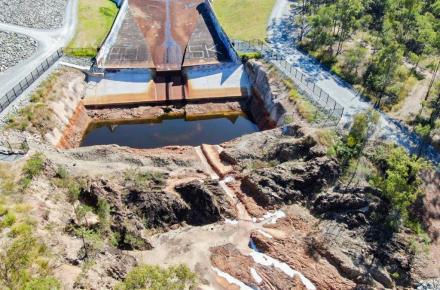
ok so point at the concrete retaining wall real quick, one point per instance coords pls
(111, 37)
(223, 37)
(265, 98)
(214, 81)
(68, 107)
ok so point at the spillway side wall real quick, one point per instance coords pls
(111, 37)
(221, 33)
(266, 102)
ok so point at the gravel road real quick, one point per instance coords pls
(15, 48)
(40, 14)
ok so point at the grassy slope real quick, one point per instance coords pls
(94, 22)
(244, 19)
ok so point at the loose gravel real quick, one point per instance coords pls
(433, 284)
(15, 48)
(41, 14)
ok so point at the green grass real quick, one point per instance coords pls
(244, 19)
(95, 19)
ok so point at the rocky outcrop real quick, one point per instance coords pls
(290, 181)
(243, 268)
(353, 206)
(69, 116)
(135, 209)
(294, 166)
(202, 201)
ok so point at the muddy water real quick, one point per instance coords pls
(167, 132)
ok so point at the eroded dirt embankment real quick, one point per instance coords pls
(167, 207)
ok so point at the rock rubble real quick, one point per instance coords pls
(33, 13)
(15, 48)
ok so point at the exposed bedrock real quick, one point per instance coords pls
(294, 166)
(287, 166)
(135, 208)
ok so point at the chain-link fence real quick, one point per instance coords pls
(317, 96)
(16, 91)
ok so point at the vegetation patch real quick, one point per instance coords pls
(244, 19)
(37, 116)
(245, 56)
(25, 260)
(368, 43)
(95, 19)
(158, 278)
(142, 179)
(398, 178)
(390, 169)
(305, 108)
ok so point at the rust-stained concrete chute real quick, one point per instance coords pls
(163, 35)
(166, 51)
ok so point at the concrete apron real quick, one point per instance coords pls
(144, 86)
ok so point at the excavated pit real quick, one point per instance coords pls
(145, 127)
(166, 132)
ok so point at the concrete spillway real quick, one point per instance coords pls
(164, 35)
(166, 50)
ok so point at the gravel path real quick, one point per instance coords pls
(15, 48)
(49, 42)
(40, 14)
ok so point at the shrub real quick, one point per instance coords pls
(327, 138)
(245, 56)
(33, 167)
(62, 172)
(155, 277)
(141, 180)
(73, 190)
(21, 229)
(134, 242)
(305, 108)
(103, 212)
(8, 220)
(24, 266)
(45, 283)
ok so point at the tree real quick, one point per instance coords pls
(301, 20)
(376, 10)
(381, 71)
(364, 126)
(354, 58)
(352, 145)
(348, 15)
(402, 18)
(319, 21)
(399, 183)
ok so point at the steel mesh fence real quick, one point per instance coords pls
(25, 83)
(316, 95)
